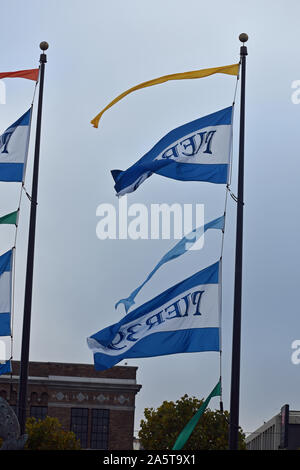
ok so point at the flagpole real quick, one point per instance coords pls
(236, 338)
(22, 399)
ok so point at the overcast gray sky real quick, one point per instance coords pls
(97, 50)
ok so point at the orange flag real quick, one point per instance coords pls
(30, 74)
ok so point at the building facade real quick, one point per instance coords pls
(98, 406)
(280, 432)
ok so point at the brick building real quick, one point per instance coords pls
(98, 406)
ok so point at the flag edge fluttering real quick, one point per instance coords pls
(29, 74)
(9, 219)
(190, 426)
(232, 69)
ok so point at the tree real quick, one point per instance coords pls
(161, 427)
(47, 434)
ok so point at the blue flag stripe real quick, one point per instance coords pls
(11, 172)
(5, 368)
(212, 173)
(194, 172)
(164, 343)
(5, 324)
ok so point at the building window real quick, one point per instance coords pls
(99, 429)
(38, 412)
(44, 398)
(34, 397)
(79, 424)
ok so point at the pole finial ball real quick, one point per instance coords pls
(44, 45)
(243, 37)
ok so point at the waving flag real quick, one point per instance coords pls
(197, 151)
(9, 219)
(189, 428)
(227, 69)
(179, 249)
(5, 292)
(30, 74)
(14, 148)
(184, 318)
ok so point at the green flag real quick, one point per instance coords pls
(9, 218)
(187, 431)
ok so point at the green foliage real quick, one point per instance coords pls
(47, 434)
(161, 427)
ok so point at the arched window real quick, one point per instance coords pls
(33, 397)
(44, 398)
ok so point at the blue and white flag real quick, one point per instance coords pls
(5, 292)
(184, 318)
(197, 151)
(184, 245)
(14, 148)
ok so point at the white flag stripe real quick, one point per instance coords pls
(16, 147)
(219, 147)
(5, 292)
(209, 318)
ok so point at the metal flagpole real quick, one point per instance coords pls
(236, 338)
(22, 399)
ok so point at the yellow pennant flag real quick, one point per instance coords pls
(228, 69)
